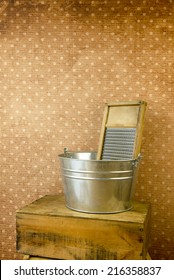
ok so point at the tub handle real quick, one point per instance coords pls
(65, 150)
(136, 161)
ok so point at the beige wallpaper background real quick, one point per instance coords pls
(60, 61)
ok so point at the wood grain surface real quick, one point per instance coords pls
(46, 228)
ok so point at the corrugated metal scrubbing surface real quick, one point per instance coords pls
(119, 143)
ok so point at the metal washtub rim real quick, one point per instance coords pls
(64, 157)
(97, 172)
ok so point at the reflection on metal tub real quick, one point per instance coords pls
(97, 186)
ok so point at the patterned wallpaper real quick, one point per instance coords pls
(60, 61)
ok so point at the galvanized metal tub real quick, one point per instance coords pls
(97, 186)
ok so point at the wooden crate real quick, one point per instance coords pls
(46, 228)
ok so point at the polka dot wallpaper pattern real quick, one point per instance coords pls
(60, 61)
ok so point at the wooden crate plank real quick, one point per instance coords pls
(55, 205)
